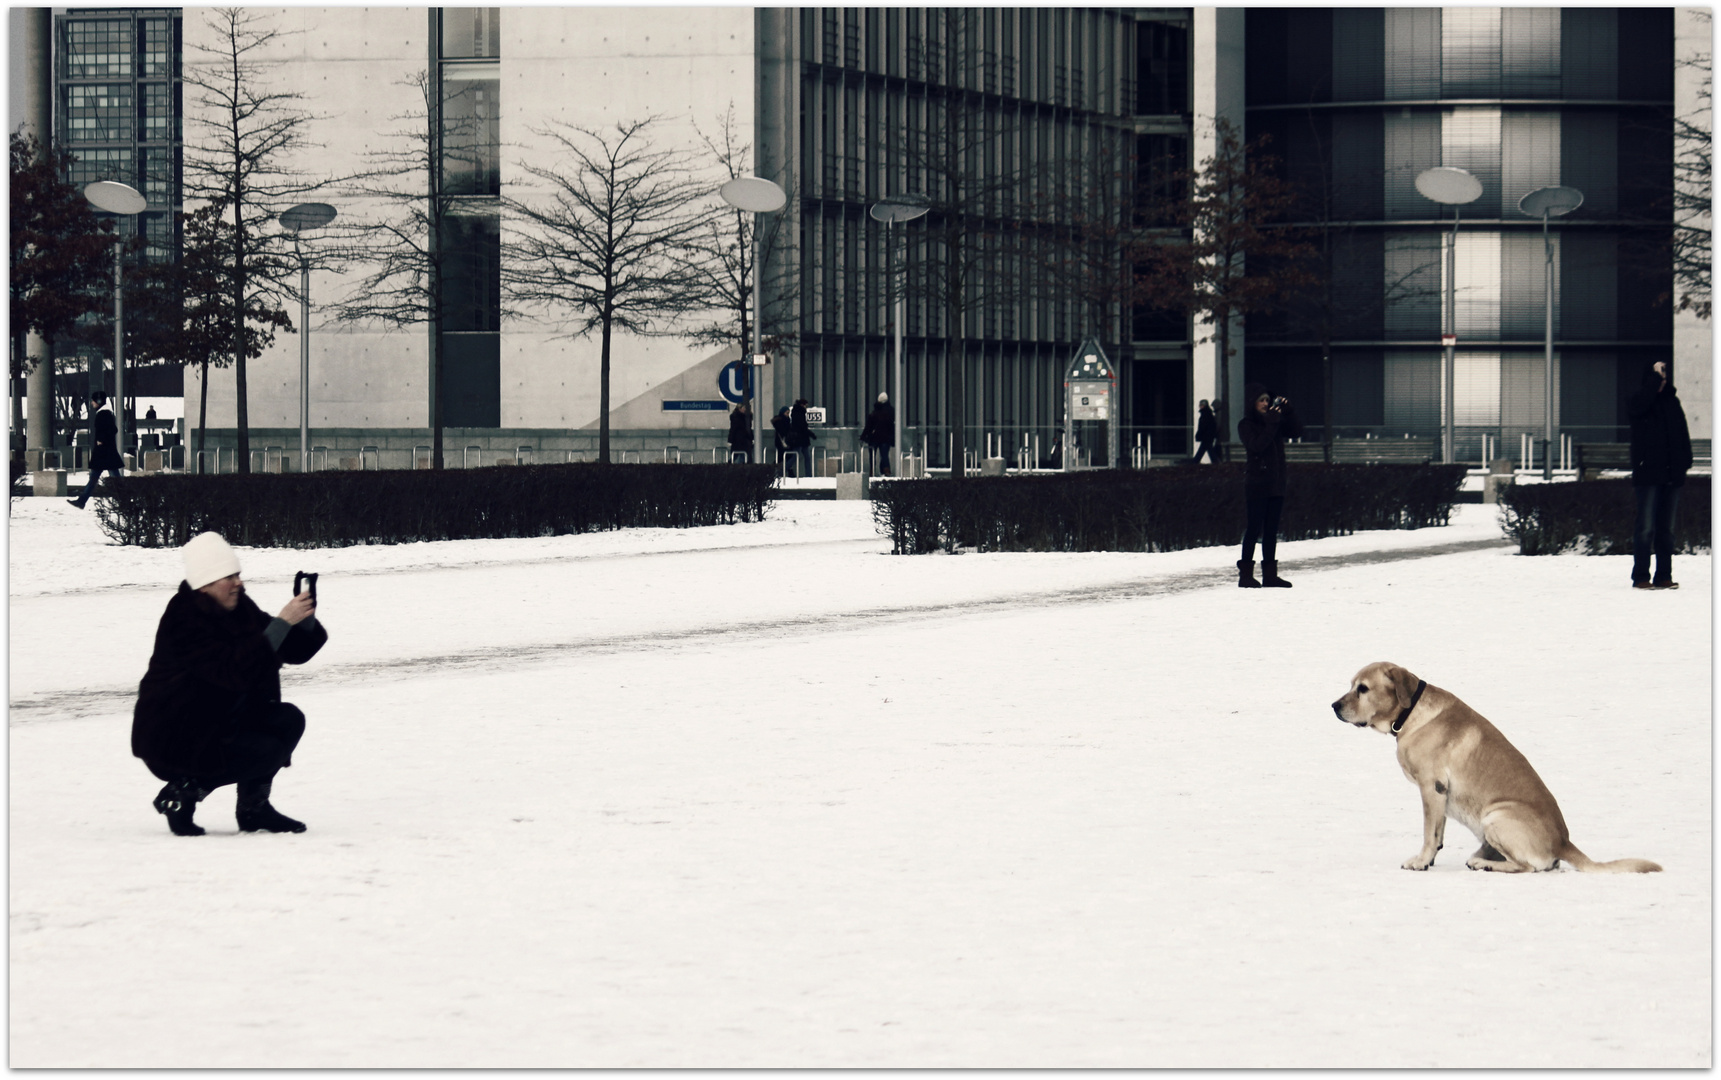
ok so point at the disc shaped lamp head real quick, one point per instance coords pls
(754, 194)
(115, 197)
(311, 215)
(1552, 201)
(897, 208)
(1448, 185)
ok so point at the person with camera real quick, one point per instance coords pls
(105, 453)
(1660, 455)
(1263, 432)
(209, 710)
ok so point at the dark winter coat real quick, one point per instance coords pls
(1660, 439)
(211, 669)
(780, 425)
(800, 435)
(1206, 428)
(880, 427)
(1263, 437)
(104, 433)
(740, 431)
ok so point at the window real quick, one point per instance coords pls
(471, 131)
(100, 50)
(98, 113)
(471, 32)
(157, 47)
(158, 112)
(91, 165)
(1162, 68)
(471, 272)
(158, 184)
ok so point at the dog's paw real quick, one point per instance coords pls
(1480, 864)
(1418, 863)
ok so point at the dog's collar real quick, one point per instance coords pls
(1398, 725)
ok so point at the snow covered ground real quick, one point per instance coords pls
(764, 795)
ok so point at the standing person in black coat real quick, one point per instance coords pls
(209, 709)
(741, 433)
(105, 454)
(780, 431)
(801, 436)
(1263, 433)
(1660, 454)
(879, 434)
(1206, 434)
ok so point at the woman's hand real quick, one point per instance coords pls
(298, 609)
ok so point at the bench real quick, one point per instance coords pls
(1591, 458)
(1385, 451)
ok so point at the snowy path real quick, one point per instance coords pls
(765, 796)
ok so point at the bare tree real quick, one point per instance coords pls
(607, 246)
(246, 135)
(1230, 256)
(723, 255)
(402, 247)
(1693, 252)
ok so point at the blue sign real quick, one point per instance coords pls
(694, 406)
(735, 382)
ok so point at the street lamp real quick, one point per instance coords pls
(755, 195)
(1453, 187)
(123, 199)
(297, 219)
(895, 208)
(1544, 203)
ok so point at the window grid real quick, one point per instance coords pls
(99, 113)
(99, 50)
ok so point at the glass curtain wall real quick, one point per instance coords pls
(466, 43)
(1360, 101)
(1003, 117)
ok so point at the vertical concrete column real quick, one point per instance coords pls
(1216, 69)
(31, 87)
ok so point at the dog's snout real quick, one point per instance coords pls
(1338, 709)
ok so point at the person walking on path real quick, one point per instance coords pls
(780, 430)
(879, 434)
(1263, 433)
(741, 433)
(1206, 434)
(1660, 454)
(209, 709)
(801, 436)
(104, 454)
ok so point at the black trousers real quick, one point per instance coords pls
(1205, 446)
(1263, 525)
(1656, 505)
(95, 474)
(262, 744)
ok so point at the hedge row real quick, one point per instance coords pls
(1164, 509)
(1595, 517)
(339, 509)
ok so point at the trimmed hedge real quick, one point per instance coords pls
(1165, 509)
(1595, 517)
(340, 509)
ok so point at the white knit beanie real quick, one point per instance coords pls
(208, 558)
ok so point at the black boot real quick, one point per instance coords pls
(1270, 575)
(254, 813)
(1246, 574)
(178, 800)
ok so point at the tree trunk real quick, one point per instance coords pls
(1222, 400)
(242, 415)
(202, 412)
(604, 393)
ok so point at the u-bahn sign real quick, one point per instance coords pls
(735, 382)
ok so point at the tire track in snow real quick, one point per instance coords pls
(83, 702)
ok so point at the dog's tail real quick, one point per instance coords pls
(1580, 861)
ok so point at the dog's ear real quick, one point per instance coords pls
(1403, 685)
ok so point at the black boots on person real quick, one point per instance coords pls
(256, 815)
(1269, 575)
(178, 801)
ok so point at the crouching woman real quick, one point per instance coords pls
(209, 710)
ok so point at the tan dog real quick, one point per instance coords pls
(1467, 770)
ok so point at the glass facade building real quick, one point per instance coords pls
(1359, 101)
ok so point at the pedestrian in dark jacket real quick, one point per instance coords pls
(105, 453)
(741, 433)
(1660, 454)
(1270, 421)
(780, 429)
(1206, 434)
(879, 434)
(209, 709)
(801, 436)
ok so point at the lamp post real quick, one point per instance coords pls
(1544, 203)
(296, 220)
(123, 199)
(756, 195)
(1452, 187)
(905, 208)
